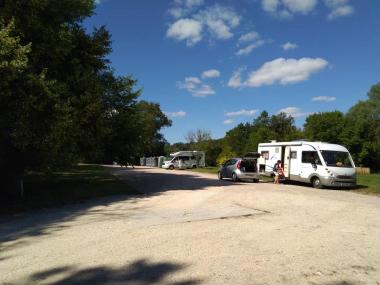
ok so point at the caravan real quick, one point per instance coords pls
(185, 159)
(319, 163)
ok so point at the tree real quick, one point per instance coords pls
(325, 126)
(198, 136)
(362, 132)
(60, 101)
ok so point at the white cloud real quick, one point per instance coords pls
(217, 21)
(196, 87)
(340, 11)
(270, 6)
(249, 37)
(287, 8)
(289, 46)
(228, 122)
(293, 111)
(190, 3)
(176, 114)
(242, 112)
(338, 8)
(285, 71)
(181, 8)
(323, 98)
(248, 49)
(211, 73)
(235, 80)
(203, 91)
(188, 30)
(300, 6)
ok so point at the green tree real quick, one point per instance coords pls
(325, 126)
(362, 132)
(60, 101)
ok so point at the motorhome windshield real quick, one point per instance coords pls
(336, 158)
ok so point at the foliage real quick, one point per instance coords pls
(73, 185)
(60, 101)
(198, 136)
(326, 127)
(362, 134)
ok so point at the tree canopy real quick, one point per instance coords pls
(60, 101)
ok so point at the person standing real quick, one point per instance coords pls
(278, 171)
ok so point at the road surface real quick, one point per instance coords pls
(191, 228)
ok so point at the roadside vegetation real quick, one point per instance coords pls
(366, 183)
(74, 185)
(369, 184)
(61, 101)
(358, 130)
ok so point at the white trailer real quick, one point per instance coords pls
(319, 163)
(185, 159)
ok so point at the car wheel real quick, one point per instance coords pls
(235, 178)
(171, 167)
(194, 166)
(317, 183)
(220, 176)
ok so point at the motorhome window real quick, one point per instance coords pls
(293, 155)
(265, 154)
(310, 157)
(192, 158)
(336, 158)
(184, 158)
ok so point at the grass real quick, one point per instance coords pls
(78, 184)
(208, 169)
(366, 183)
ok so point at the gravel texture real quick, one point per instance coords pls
(190, 228)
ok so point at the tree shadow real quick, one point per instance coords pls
(140, 272)
(52, 220)
(152, 183)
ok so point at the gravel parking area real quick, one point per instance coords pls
(190, 228)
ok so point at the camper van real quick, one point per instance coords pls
(185, 159)
(321, 164)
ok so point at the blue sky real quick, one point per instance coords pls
(214, 64)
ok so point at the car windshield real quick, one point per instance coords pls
(336, 158)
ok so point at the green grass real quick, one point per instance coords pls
(208, 169)
(368, 183)
(78, 184)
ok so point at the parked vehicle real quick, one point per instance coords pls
(239, 169)
(185, 159)
(321, 164)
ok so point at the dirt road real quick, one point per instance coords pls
(190, 228)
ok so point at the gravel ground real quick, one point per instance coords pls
(190, 228)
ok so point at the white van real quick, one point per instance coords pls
(319, 163)
(185, 159)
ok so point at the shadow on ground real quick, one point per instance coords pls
(170, 180)
(49, 221)
(140, 272)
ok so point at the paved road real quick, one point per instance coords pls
(192, 229)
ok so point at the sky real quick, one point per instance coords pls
(214, 64)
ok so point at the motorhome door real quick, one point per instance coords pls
(287, 162)
(310, 163)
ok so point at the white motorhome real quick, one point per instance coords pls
(319, 163)
(185, 159)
